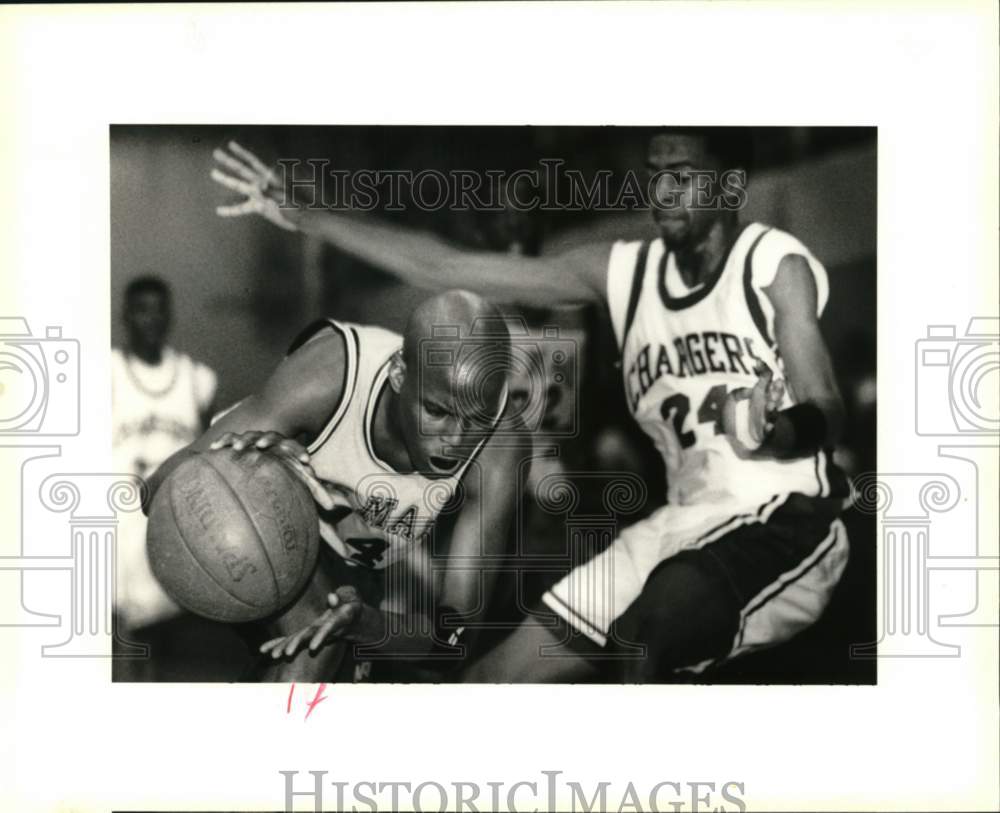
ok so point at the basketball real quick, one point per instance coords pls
(233, 537)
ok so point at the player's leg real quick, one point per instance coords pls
(534, 653)
(686, 614)
(753, 586)
(689, 585)
(581, 607)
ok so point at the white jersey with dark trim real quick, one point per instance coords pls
(684, 349)
(380, 513)
(156, 409)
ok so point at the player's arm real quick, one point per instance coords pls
(294, 402)
(415, 257)
(462, 587)
(425, 261)
(482, 536)
(816, 419)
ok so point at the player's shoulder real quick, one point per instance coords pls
(375, 335)
(628, 258)
(779, 251)
(772, 244)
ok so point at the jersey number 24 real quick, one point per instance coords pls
(677, 406)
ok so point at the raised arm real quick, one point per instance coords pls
(415, 257)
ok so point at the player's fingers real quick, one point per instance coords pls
(316, 488)
(246, 439)
(267, 646)
(236, 185)
(233, 165)
(268, 439)
(325, 629)
(293, 644)
(248, 207)
(295, 449)
(258, 165)
(224, 440)
(775, 393)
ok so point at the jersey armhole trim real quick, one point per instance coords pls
(350, 377)
(753, 303)
(638, 275)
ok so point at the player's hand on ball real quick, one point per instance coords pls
(247, 174)
(292, 453)
(748, 413)
(336, 622)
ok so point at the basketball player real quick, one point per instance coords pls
(725, 368)
(160, 401)
(388, 432)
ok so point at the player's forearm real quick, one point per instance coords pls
(407, 254)
(425, 261)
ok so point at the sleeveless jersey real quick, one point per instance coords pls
(156, 409)
(684, 349)
(381, 514)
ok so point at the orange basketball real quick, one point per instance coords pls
(233, 537)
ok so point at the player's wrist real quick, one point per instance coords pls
(797, 431)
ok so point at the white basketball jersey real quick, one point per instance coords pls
(381, 513)
(155, 410)
(684, 349)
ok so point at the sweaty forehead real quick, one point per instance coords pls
(669, 149)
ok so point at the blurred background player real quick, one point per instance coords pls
(712, 319)
(388, 432)
(161, 400)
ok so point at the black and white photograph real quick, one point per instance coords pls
(500, 406)
(495, 404)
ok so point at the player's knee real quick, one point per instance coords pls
(683, 616)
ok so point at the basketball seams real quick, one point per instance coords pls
(250, 516)
(194, 556)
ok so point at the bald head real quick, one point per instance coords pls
(456, 352)
(452, 316)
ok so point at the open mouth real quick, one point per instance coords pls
(443, 463)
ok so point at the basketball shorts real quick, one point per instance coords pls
(778, 562)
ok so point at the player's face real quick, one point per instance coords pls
(438, 427)
(147, 318)
(675, 160)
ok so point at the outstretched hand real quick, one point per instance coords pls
(343, 614)
(292, 453)
(750, 424)
(247, 174)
